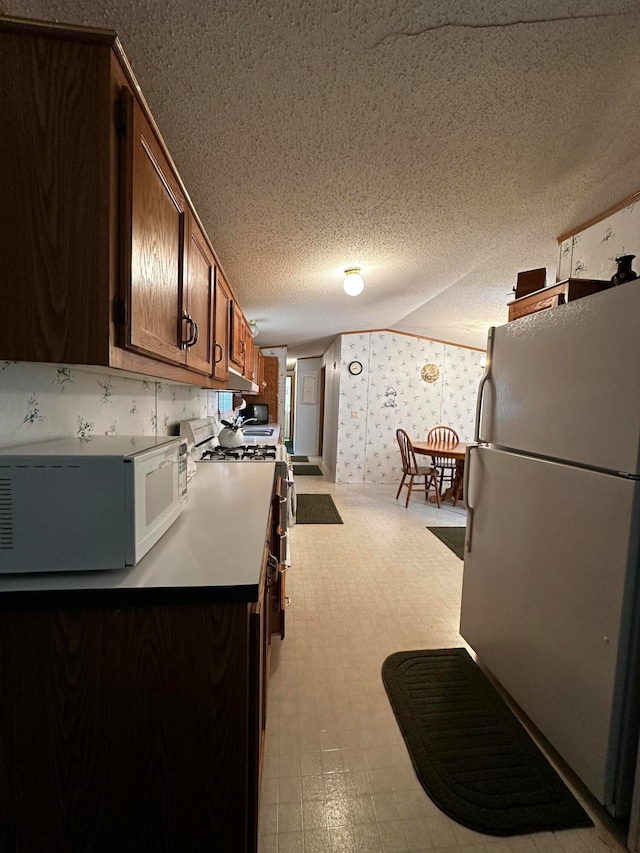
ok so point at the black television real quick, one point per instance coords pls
(259, 411)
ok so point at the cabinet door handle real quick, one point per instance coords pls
(196, 333)
(192, 331)
(466, 498)
(219, 347)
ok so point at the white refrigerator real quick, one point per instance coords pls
(550, 598)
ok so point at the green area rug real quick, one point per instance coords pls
(299, 458)
(471, 754)
(453, 538)
(316, 509)
(307, 471)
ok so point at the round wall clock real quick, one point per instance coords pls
(430, 372)
(355, 368)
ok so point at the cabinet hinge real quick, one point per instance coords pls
(119, 311)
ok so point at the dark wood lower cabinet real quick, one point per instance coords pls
(278, 558)
(259, 663)
(132, 729)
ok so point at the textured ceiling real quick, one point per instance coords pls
(440, 146)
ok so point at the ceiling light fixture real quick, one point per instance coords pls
(253, 328)
(353, 282)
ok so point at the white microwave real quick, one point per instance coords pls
(81, 504)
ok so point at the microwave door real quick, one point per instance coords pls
(154, 491)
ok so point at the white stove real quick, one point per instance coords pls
(202, 438)
(242, 453)
(203, 446)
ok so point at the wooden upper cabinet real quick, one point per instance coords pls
(258, 361)
(249, 370)
(236, 340)
(168, 268)
(153, 250)
(103, 260)
(241, 351)
(198, 306)
(222, 326)
(54, 198)
(268, 385)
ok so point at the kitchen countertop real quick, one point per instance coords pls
(212, 553)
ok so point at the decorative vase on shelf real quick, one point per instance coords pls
(624, 271)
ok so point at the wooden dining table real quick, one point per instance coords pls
(450, 451)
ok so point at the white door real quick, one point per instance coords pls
(547, 596)
(564, 382)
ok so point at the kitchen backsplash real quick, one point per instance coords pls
(43, 401)
(390, 393)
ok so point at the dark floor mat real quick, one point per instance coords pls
(471, 754)
(453, 538)
(299, 458)
(307, 471)
(316, 509)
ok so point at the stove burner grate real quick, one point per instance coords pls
(252, 453)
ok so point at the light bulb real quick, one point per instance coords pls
(253, 328)
(353, 283)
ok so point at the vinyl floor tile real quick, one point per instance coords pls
(337, 776)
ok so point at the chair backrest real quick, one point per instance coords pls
(443, 434)
(409, 465)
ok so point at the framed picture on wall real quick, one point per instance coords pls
(309, 388)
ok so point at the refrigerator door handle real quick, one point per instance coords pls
(483, 381)
(467, 503)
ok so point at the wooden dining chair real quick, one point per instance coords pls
(411, 469)
(445, 465)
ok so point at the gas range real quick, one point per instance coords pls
(244, 453)
(203, 447)
(202, 439)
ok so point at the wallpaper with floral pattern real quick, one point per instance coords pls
(41, 401)
(390, 393)
(592, 252)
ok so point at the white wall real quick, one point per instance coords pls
(390, 393)
(306, 426)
